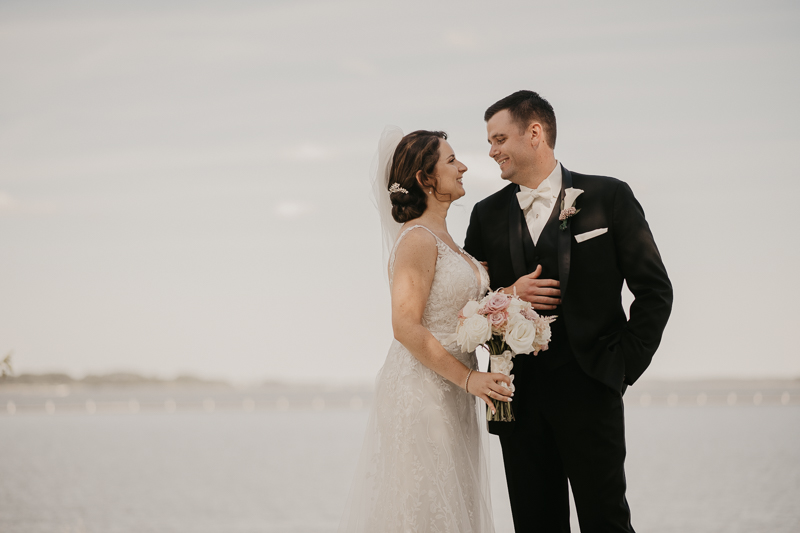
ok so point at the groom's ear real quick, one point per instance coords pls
(536, 132)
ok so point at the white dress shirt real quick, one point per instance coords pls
(538, 213)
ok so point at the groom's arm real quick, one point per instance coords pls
(646, 277)
(543, 294)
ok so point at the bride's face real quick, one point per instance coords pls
(449, 173)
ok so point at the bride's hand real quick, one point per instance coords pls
(487, 386)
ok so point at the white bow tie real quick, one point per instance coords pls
(526, 198)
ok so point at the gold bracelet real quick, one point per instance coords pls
(466, 383)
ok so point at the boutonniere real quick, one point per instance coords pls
(568, 207)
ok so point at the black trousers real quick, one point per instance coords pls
(568, 426)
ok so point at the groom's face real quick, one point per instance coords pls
(511, 146)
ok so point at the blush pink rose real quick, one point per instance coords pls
(498, 319)
(495, 303)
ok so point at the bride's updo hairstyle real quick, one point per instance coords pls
(419, 150)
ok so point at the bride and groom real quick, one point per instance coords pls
(423, 464)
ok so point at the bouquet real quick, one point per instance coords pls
(506, 326)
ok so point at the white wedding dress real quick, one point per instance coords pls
(423, 466)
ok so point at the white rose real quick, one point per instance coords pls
(473, 332)
(520, 335)
(470, 309)
(515, 306)
(570, 195)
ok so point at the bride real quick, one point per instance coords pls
(423, 464)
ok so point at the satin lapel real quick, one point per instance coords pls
(564, 237)
(515, 219)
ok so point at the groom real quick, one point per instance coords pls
(570, 263)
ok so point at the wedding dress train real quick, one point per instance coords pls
(423, 465)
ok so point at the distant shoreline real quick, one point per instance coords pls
(132, 379)
(131, 393)
(114, 378)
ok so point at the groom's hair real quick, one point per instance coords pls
(527, 107)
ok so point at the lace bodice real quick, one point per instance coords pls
(454, 284)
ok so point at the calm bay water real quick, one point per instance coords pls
(699, 469)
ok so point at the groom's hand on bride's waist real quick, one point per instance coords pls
(543, 294)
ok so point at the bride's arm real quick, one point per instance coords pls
(414, 268)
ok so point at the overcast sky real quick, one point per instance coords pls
(184, 185)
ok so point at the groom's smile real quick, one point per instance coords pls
(505, 139)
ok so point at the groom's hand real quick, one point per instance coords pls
(543, 294)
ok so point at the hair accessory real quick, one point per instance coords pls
(396, 188)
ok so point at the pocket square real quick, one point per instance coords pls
(590, 234)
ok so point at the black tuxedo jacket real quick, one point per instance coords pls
(607, 346)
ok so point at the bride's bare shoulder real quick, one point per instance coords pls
(416, 244)
(416, 235)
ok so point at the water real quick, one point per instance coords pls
(701, 469)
